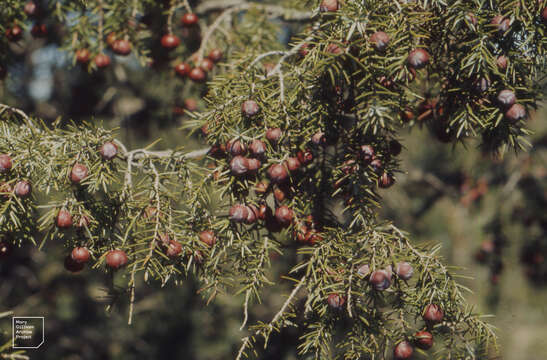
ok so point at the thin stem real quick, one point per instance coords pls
(243, 347)
(5, 314)
(245, 309)
(211, 29)
(128, 181)
(15, 110)
(186, 4)
(172, 8)
(273, 10)
(254, 283)
(277, 69)
(142, 153)
(264, 55)
(158, 211)
(232, 6)
(14, 357)
(132, 296)
(121, 145)
(271, 324)
(100, 28)
(348, 304)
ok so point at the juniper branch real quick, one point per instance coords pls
(269, 327)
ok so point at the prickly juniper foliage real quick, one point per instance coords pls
(301, 144)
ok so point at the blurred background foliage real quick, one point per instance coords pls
(489, 214)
